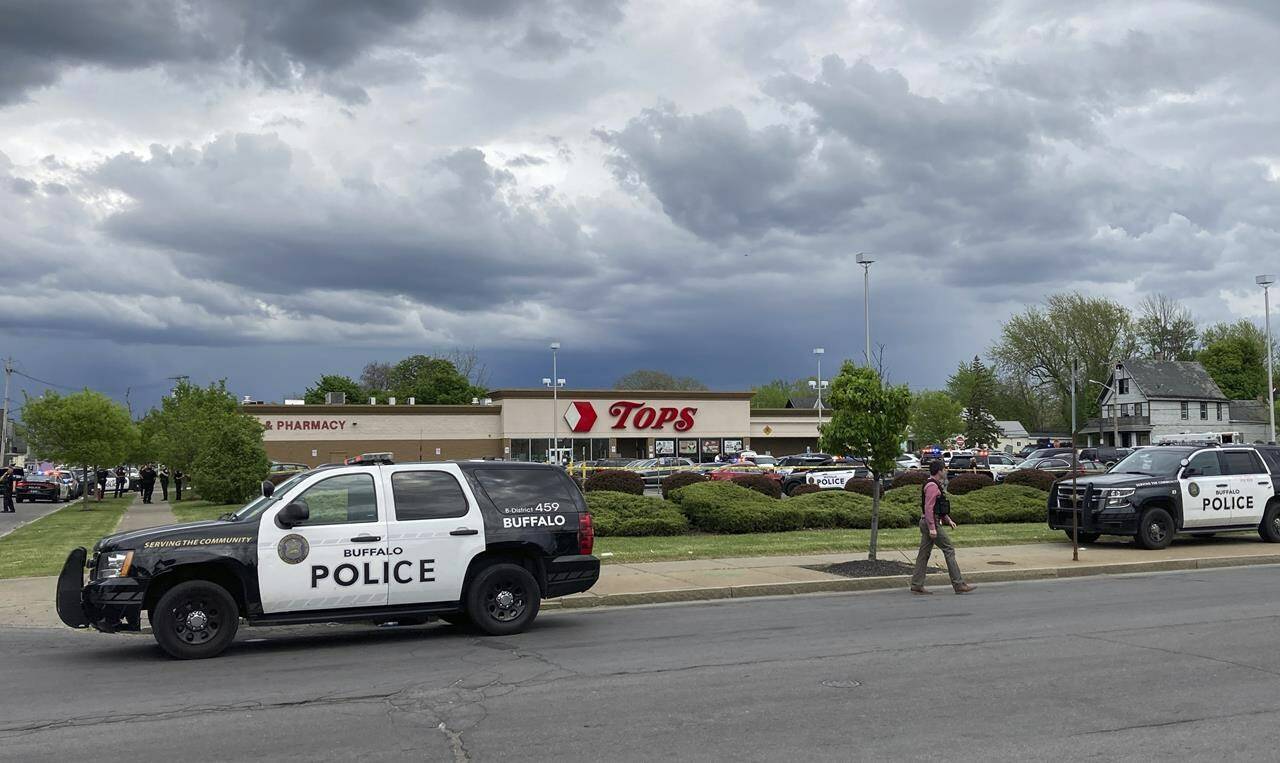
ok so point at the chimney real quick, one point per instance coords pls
(335, 398)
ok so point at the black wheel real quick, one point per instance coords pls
(1084, 537)
(1270, 527)
(503, 599)
(195, 620)
(459, 619)
(1155, 529)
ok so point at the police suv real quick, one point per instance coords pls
(1156, 492)
(469, 542)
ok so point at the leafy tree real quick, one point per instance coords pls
(1237, 365)
(431, 381)
(869, 421)
(649, 379)
(935, 417)
(777, 393)
(1165, 329)
(978, 385)
(85, 428)
(231, 462)
(203, 432)
(1040, 344)
(334, 383)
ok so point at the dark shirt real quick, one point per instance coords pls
(6, 483)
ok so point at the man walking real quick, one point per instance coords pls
(178, 477)
(148, 478)
(936, 511)
(164, 483)
(6, 484)
(120, 481)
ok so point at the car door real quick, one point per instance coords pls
(1251, 485)
(435, 530)
(335, 558)
(1202, 481)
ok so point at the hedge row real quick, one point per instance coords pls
(614, 481)
(627, 514)
(1036, 478)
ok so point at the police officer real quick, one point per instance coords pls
(101, 476)
(148, 478)
(164, 483)
(120, 480)
(6, 484)
(178, 477)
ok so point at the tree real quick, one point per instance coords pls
(375, 378)
(203, 432)
(935, 417)
(1040, 344)
(431, 381)
(334, 383)
(84, 428)
(977, 384)
(777, 393)
(869, 421)
(1165, 329)
(648, 379)
(467, 361)
(231, 463)
(1237, 365)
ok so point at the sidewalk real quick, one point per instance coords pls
(28, 602)
(143, 515)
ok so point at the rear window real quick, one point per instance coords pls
(1272, 457)
(517, 491)
(1241, 462)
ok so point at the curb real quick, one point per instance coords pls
(897, 581)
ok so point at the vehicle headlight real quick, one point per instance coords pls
(1119, 496)
(115, 564)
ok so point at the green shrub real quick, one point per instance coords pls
(913, 477)
(860, 485)
(805, 490)
(846, 509)
(1036, 478)
(907, 496)
(760, 483)
(967, 483)
(723, 507)
(615, 513)
(1000, 504)
(677, 480)
(614, 480)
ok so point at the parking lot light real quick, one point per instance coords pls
(865, 262)
(1265, 282)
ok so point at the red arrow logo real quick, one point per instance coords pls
(580, 416)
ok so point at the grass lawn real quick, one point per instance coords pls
(41, 547)
(198, 510)
(655, 549)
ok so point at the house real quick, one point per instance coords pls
(1145, 400)
(1013, 437)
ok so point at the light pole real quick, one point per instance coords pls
(1265, 282)
(555, 383)
(1115, 420)
(866, 298)
(819, 384)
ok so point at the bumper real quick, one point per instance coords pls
(110, 605)
(571, 574)
(1110, 521)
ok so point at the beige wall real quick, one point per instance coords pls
(358, 425)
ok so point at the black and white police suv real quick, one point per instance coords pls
(481, 542)
(1157, 492)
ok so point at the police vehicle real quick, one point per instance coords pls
(469, 542)
(1157, 492)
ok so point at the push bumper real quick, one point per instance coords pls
(571, 574)
(110, 605)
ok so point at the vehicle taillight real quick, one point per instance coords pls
(586, 534)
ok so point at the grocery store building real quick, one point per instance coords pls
(521, 424)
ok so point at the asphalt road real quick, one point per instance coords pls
(1176, 664)
(24, 513)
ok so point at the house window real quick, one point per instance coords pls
(1124, 409)
(1219, 411)
(1124, 386)
(1186, 411)
(1204, 411)
(1137, 409)
(1111, 411)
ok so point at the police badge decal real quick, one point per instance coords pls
(293, 548)
(1193, 489)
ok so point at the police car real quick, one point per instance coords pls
(1157, 492)
(468, 542)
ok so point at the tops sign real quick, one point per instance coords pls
(284, 425)
(581, 416)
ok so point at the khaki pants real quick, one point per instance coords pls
(926, 548)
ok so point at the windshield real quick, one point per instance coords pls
(1157, 462)
(258, 505)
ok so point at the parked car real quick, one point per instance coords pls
(727, 472)
(1039, 453)
(652, 470)
(766, 462)
(1106, 454)
(280, 466)
(993, 465)
(610, 463)
(38, 487)
(788, 464)
(908, 461)
(1061, 467)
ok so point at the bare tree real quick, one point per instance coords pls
(467, 361)
(376, 376)
(1166, 329)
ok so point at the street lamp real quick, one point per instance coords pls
(1265, 282)
(819, 385)
(865, 262)
(1115, 420)
(555, 383)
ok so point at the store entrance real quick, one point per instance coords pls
(633, 447)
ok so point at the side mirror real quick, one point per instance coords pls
(1185, 461)
(1189, 472)
(294, 514)
(268, 488)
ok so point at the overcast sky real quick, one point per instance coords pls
(268, 191)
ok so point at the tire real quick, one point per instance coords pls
(1269, 529)
(1084, 536)
(1155, 529)
(189, 604)
(496, 614)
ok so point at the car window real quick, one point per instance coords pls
(1272, 457)
(1241, 462)
(1206, 464)
(344, 499)
(427, 495)
(515, 488)
(1053, 463)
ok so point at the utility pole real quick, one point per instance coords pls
(866, 298)
(1075, 470)
(4, 421)
(1265, 282)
